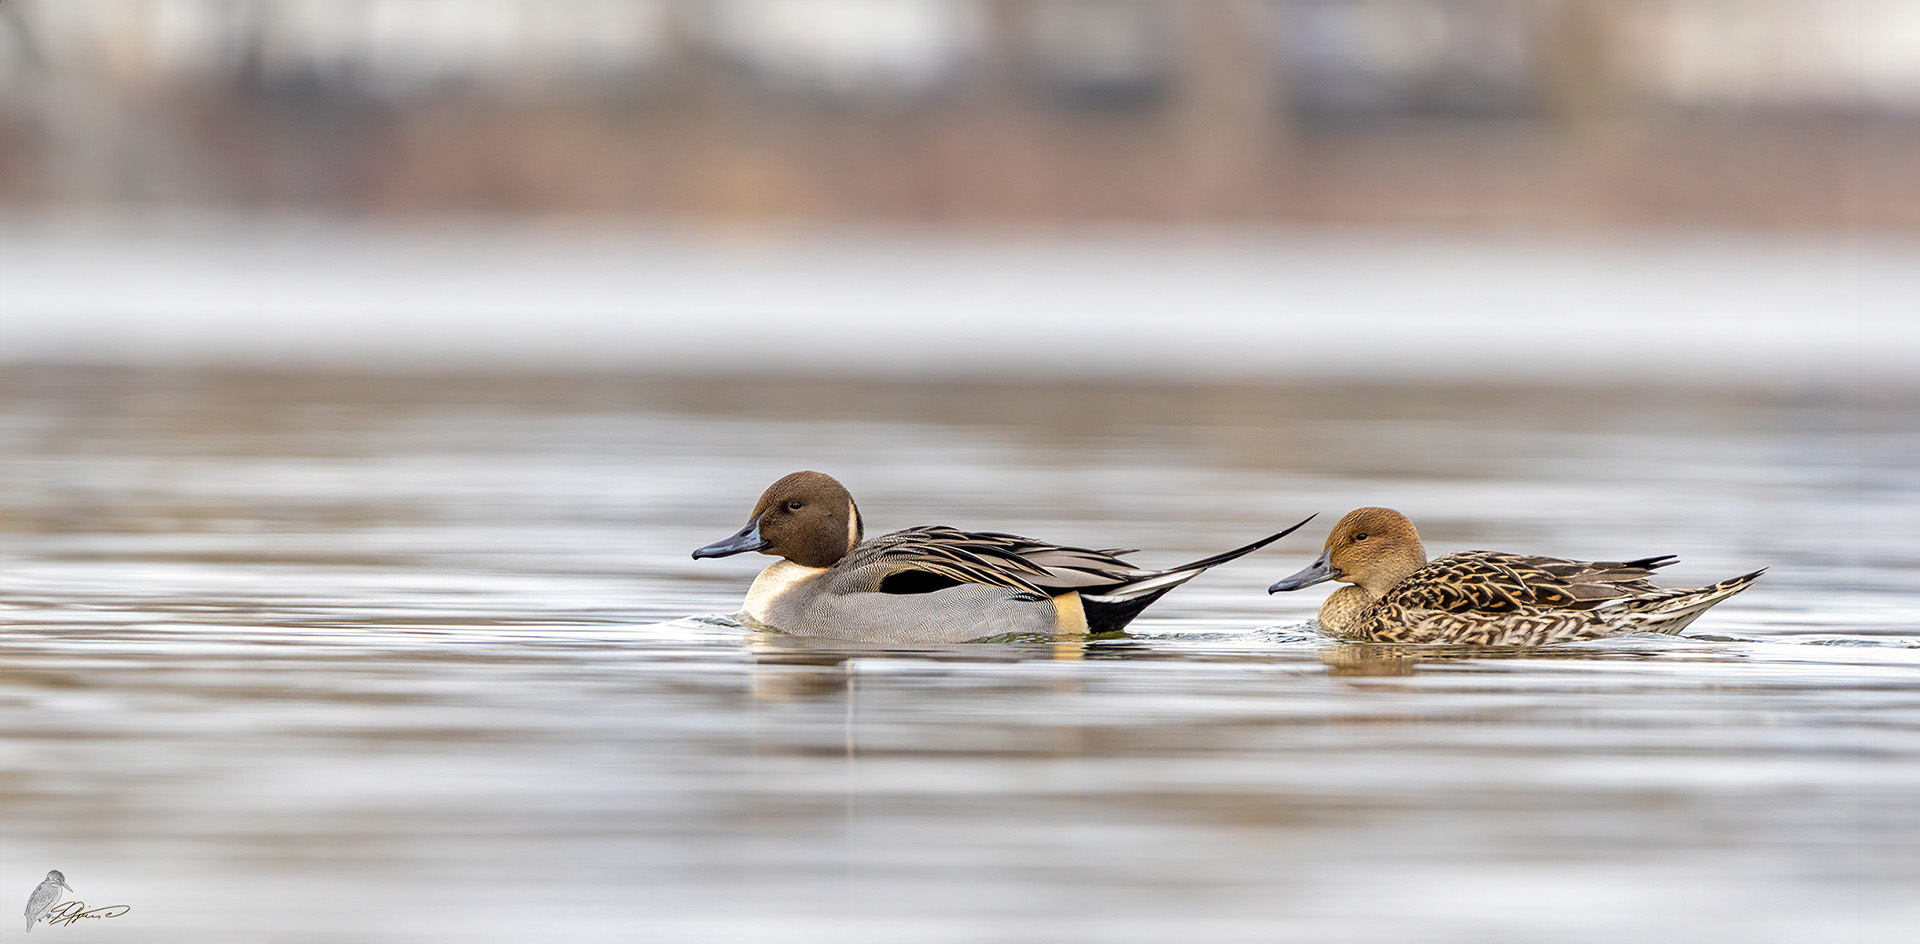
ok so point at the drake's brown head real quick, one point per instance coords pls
(807, 517)
(1371, 548)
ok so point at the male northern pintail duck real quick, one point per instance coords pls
(1484, 597)
(931, 584)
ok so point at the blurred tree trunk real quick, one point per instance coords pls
(1586, 82)
(698, 73)
(1013, 165)
(1225, 117)
(1002, 66)
(1589, 97)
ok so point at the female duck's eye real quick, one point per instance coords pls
(1361, 536)
(796, 505)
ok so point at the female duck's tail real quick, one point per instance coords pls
(1672, 610)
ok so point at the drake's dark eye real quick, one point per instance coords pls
(796, 505)
(1361, 536)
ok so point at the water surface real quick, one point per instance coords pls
(333, 656)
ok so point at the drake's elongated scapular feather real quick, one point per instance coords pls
(1486, 597)
(932, 583)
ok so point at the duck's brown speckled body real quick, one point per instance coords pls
(1486, 597)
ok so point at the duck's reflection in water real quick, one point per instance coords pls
(1381, 660)
(792, 668)
(1368, 661)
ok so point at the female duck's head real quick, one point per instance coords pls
(1371, 548)
(807, 517)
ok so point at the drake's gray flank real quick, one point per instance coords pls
(1486, 597)
(934, 583)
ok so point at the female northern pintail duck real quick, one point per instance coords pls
(931, 584)
(1484, 597)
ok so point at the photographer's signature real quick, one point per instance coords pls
(45, 904)
(71, 911)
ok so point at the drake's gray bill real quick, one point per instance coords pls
(1319, 571)
(742, 541)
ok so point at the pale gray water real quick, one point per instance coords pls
(360, 658)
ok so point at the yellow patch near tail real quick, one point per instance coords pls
(1069, 619)
(1069, 615)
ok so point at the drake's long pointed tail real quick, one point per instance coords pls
(1112, 609)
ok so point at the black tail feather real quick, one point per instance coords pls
(1109, 615)
(1652, 563)
(1112, 609)
(1224, 556)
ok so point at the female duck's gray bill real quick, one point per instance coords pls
(744, 540)
(1316, 572)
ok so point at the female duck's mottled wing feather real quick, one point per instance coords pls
(896, 562)
(1491, 582)
(1593, 582)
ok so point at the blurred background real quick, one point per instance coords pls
(368, 369)
(1153, 187)
(1763, 113)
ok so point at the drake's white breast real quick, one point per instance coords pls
(780, 579)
